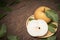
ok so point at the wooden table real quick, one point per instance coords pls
(16, 20)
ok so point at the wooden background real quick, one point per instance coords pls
(16, 20)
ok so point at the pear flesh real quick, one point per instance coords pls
(37, 28)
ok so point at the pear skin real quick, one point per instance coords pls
(41, 15)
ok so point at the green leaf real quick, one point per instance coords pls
(3, 30)
(52, 15)
(13, 38)
(50, 38)
(53, 25)
(7, 9)
(2, 15)
(31, 19)
(50, 28)
(44, 39)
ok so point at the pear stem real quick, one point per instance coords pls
(44, 10)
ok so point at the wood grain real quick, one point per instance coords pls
(16, 20)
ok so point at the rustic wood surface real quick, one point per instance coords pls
(16, 20)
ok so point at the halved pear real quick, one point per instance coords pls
(37, 28)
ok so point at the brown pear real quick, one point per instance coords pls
(40, 13)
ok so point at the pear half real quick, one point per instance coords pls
(37, 28)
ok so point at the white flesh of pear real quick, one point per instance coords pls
(37, 27)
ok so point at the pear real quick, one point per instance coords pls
(40, 13)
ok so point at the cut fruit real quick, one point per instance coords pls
(40, 13)
(48, 34)
(37, 28)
